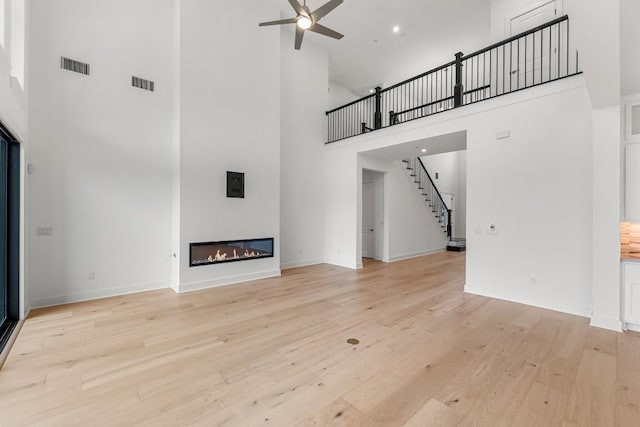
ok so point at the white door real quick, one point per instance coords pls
(368, 219)
(534, 58)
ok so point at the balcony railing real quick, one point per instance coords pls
(537, 56)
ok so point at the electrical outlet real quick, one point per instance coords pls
(492, 229)
(533, 280)
(44, 231)
(505, 134)
(92, 276)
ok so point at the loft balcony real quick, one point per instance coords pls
(538, 56)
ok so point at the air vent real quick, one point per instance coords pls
(143, 83)
(75, 66)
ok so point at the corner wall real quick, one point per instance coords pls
(229, 121)
(303, 126)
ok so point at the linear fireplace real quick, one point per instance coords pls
(206, 253)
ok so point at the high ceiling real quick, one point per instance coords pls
(431, 32)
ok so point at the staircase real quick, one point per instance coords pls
(432, 196)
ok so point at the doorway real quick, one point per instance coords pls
(372, 214)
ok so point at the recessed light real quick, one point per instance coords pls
(396, 29)
(424, 150)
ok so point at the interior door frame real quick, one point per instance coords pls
(372, 250)
(523, 10)
(380, 251)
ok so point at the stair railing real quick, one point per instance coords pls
(429, 191)
(538, 56)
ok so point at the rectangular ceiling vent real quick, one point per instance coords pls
(75, 66)
(144, 84)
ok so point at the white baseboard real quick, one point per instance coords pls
(632, 327)
(207, 284)
(606, 323)
(301, 263)
(97, 294)
(546, 303)
(341, 263)
(416, 254)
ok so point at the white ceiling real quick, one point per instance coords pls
(455, 141)
(431, 32)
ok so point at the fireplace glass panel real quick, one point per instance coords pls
(229, 251)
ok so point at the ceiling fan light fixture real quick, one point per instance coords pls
(304, 22)
(305, 19)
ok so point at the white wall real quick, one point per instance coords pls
(461, 214)
(607, 194)
(230, 121)
(339, 95)
(303, 125)
(341, 196)
(100, 148)
(411, 229)
(536, 187)
(451, 169)
(629, 42)
(595, 31)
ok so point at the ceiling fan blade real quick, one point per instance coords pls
(299, 36)
(321, 29)
(296, 6)
(325, 9)
(279, 22)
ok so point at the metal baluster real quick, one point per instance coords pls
(558, 55)
(568, 47)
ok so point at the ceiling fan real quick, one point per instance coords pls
(307, 20)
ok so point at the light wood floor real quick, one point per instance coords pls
(274, 352)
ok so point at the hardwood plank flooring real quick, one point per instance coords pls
(274, 352)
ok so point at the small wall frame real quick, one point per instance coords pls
(235, 185)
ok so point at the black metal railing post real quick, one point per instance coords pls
(363, 128)
(377, 124)
(458, 89)
(449, 228)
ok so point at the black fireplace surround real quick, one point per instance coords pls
(207, 253)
